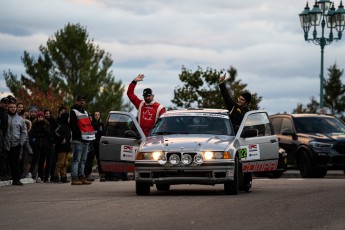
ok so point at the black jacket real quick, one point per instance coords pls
(40, 134)
(236, 112)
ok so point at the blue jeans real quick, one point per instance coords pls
(79, 151)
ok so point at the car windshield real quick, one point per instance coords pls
(319, 125)
(192, 124)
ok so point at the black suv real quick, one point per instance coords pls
(313, 142)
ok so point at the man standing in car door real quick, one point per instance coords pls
(148, 110)
(237, 110)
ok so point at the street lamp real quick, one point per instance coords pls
(323, 10)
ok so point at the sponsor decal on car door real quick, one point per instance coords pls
(118, 149)
(258, 153)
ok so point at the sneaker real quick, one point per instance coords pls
(17, 183)
(38, 180)
(90, 178)
(29, 175)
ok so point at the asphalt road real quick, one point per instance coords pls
(285, 203)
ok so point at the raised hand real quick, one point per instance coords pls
(140, 77)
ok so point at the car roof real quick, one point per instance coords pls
(198, 110)
(303, 115)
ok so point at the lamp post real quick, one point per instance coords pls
(323, 11)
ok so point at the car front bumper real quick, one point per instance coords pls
(210, 173)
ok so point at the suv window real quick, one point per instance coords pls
(286, 124)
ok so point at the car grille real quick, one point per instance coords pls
(182, 174)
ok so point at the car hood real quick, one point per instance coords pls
(186, 143)
(327, 136)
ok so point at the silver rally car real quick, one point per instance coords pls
(195, 146)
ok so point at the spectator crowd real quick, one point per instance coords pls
(38, 145)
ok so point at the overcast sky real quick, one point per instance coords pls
(263, 40)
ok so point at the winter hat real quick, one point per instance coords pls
(247, 96)
(32, 108)
(40, 114)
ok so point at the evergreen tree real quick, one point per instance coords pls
(200, 89)
(334, 91)
(69, 65)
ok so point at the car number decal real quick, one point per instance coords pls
(250, 152)
(128, 152)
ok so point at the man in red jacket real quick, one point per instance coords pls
(148, 110)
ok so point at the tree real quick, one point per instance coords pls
(334, 90)
(334, 96)
(312, 107)
(69, 65)
(201, 90)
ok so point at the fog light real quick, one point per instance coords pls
(162, 160)
(198, 159)
(174, 159)
(186, 159)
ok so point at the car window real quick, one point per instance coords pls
(197, 124)
(118, 124)
(276, 123)
(260, 122)
(319, 125)
(286, 125)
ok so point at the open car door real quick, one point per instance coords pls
(118, 147)
(259, 150)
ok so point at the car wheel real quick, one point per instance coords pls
(321, 173)
(163, 187)
(305, 165)
(142, 189)
(231, 187)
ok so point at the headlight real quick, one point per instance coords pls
(198, 159)
(320, 145)
(174, 159)
(186, 159)
(149, 156)
(208, 155)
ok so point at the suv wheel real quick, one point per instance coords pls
(305, 165)
(142, 189)
(321, 172)
(163, 187)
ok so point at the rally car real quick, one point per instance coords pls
(192, 146)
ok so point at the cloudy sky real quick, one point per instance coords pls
(263, 40)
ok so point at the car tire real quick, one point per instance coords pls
(142, 189)
(275, 175)
(163, 187)
(306, 168)
(231, 187)
(321, 172)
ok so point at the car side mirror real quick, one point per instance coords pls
(249, 133)
(131, 133)
(287, 132)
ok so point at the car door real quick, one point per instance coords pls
(119, 145)
(258, 153)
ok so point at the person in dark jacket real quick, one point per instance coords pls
(237, 110)
(40, 136)
(63, 147)
(98, 126)
(5, 173)
(82, 134)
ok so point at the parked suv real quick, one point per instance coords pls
(313, 142)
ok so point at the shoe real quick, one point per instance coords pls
(84, 181)
(18, 183)
(89, 178)
(64, 179)
(76, 182)
(102, 178)
(29, 175)
(55, 179)
(38, 180)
